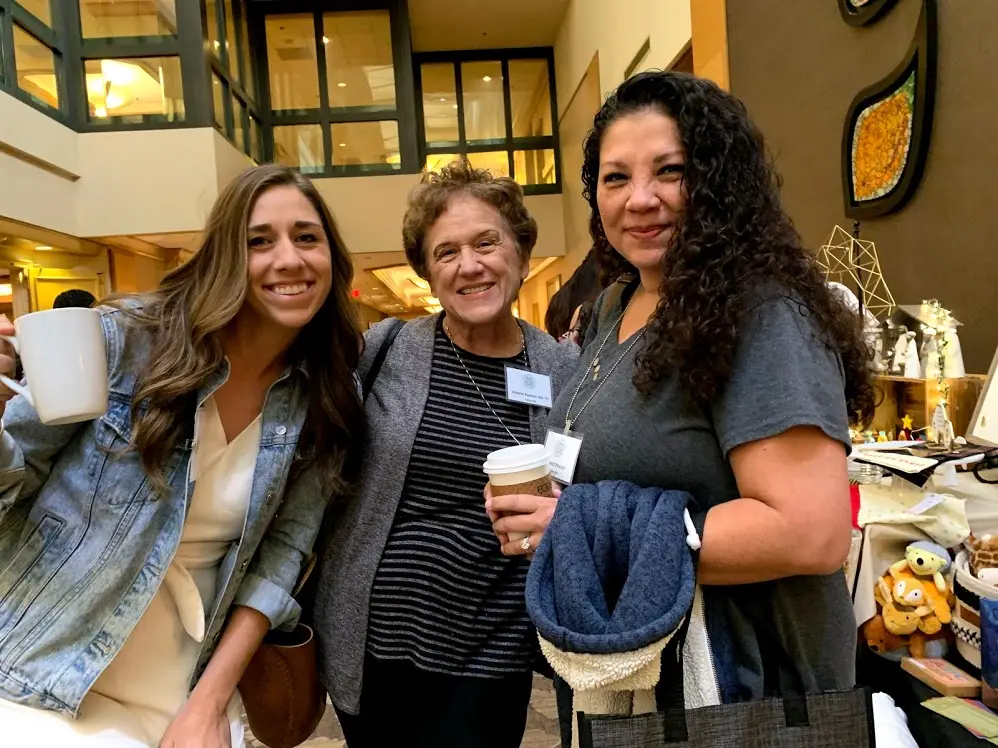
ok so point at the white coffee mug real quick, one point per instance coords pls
(65, 364)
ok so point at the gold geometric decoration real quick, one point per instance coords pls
(854, 263)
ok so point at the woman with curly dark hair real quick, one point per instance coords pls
(722, 365)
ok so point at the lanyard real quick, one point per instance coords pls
(480, 393)
(594, 367)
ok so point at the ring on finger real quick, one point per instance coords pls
(525, 543)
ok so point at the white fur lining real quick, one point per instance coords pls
(623, 682)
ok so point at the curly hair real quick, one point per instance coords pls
(733, 239)
(430, 198)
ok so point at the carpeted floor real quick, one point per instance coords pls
(542, 723)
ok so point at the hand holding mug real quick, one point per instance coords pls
(522, 515)
(64, 358)
(7, 361)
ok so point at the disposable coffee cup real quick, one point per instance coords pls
(64, 358)
(523, 469)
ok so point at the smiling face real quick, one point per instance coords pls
(474, 265)
(289, 264)
(640, 190)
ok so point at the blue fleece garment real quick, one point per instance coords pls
(613, 572)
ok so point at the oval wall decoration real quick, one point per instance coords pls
(862, 12)
(887, 128)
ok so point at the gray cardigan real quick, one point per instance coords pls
(351, 548)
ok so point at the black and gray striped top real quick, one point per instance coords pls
(444, 597)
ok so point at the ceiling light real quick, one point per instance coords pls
(325, 40)
(454, 106)
(443, 98)
(42, 247)
(100, 112)
(6, 289)
(341, 84)
(217, 45)
(113, 101)
(487, 78)
(343, 145)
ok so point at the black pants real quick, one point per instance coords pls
(401, 705)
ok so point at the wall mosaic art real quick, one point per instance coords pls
(886, 136)
(862, 12)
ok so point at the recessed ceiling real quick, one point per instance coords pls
(439, 25)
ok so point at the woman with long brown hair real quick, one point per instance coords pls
(145, 554)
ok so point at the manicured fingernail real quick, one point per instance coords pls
(488, 506)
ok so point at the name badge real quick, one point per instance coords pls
(528, 387)
(563, 451)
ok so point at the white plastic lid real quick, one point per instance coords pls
(515, 459)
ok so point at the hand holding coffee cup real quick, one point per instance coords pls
(65, 364)
(520, 497)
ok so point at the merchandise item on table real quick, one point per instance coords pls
(984, 558)
(926, 559)
(913, 614)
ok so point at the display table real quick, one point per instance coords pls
(883, 544)
(928, 728)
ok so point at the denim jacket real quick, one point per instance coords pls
(85, 541)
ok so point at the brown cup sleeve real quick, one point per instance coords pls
(536, 487)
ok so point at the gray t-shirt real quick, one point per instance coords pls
(783, 376)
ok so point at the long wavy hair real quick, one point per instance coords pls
(194, 303)
(733, 239)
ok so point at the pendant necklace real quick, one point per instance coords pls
(595, 366)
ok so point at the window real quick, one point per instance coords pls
(37, 69)
(291, 63)
(373, 145)
(497, 109)
(256, 141)
(138, 89)
(40, 9)
(108, 19)
(300, 146)
(359, 70)
(3, 27)
(231, 41)
(213, 35)
(219, 93)
(484, 111)
(232, 76)
(239, 123)
(249, 73)
(333, 92)
(440, 105)
(530, 98)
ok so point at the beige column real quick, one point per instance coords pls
(710, 40)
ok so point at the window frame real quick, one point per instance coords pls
(327, 116)
(72, 52)
(13, 14)
(509, 143)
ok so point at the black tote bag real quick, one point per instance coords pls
(791, 719)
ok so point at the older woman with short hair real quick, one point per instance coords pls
(422, 626)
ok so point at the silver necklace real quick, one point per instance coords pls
(594, 367)
(523, 350)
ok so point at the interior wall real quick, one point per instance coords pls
(368, 316)
(616, 30)
(135, 273)
(369, 212)
(710, 40)
(797, 67)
